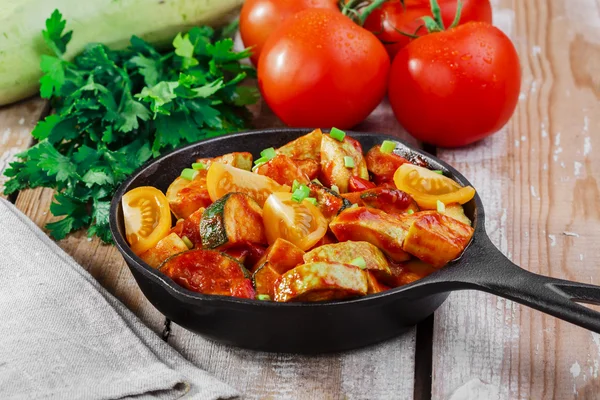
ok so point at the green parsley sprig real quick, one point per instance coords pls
(115, 109)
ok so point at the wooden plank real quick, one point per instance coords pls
(538, 183)
(16, 122)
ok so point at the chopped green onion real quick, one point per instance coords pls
(261, 160)
(349, 162)
(256, 167)
(311, 200)
(359, 262)
(387, 146)
(180, 220)
(441, 207)
(438, 171)
(335, 189)
(264, 297)
(295, 185)
(317, 181)
(337, 134)
(301, 193)
(354, 206)
(410, 212)
(268, 153)
(187, 242)
(189, 174)
(198, 166)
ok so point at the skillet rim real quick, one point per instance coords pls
(183, 294)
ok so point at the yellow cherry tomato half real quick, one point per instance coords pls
(303, 224)
(222, 179)
(147, 217)
(426, 187)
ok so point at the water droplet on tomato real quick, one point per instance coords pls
(466, 57)
(487, 60)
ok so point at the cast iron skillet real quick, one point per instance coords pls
(339, 325)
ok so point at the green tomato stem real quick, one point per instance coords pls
(368, 10)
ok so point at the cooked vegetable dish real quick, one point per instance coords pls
(316, 219)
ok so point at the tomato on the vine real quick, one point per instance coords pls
(393, 22)
(259, 18)
(322, 69)
(455, 87)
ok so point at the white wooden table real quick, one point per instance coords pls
(538, 179)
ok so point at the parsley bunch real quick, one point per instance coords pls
(115, 109)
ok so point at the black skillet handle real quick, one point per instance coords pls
(484, 267)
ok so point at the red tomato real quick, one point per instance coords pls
(455, 87)
(259, 18)
(357, 184)
(392, 17)
(321, 69)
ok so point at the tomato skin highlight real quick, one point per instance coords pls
(391, 17)
(321, 69)
(456, 87)
(259, 18)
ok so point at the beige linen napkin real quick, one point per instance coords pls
(63, 336)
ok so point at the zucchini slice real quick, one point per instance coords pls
(232, 220)
(209, 272)
(334, 157)
(283, 170)
(374, 285)
(166, 247)
(329, 202)
(241, 160)
(187, 196)
(385, 231)
(383, 165)
(282, 256)
(305, 147)
(264, 280)
(436, 239)
(346, 252)
(321, 281)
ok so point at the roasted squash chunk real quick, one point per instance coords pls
(329, 202)
(190, 228)
(187, 196)
(310, 167)
(383, 230)
(414, 270)
(374, 285)
(241, 160)
(334, 170)
(305, 147)
(264, 279)
(282, 256)
(165, 248)
(209, 272)
(392, 201)
(346, 252)
(383, 165)
(457, 212)
(283, 170)
(232, 220)
(436, 239)
(321, 281)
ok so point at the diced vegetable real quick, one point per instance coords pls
(198, 166)
(187, 196)
(329, 202)
(300, 223)
(190, 228)
(209, 272)
(165, 248)
(441, 208)
(268, 153)
(147, 217)
(311, 168)
(189, 174)
(305, 147)
(385, 231)
(340, 161)
(282, 170)
(187, 242)
(263, 297)
(457, 211)
(348, 252)
(436, 239)
(356, 184)
(427, 187)
(337, 134)
(383, 165)
(321, 281)
(374, 285)
(359, 262)
(232, 220)
(392, 201)
(282, 256)
(387, 147)
(414, 270)
(264, 280)
(300, 193)
(241, 160)
(222, 179)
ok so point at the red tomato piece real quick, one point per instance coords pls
(356, 184)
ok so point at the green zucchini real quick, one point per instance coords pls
(330, 203)
(111, 22)
(234, 219)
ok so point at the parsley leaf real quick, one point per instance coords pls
(116, 109)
